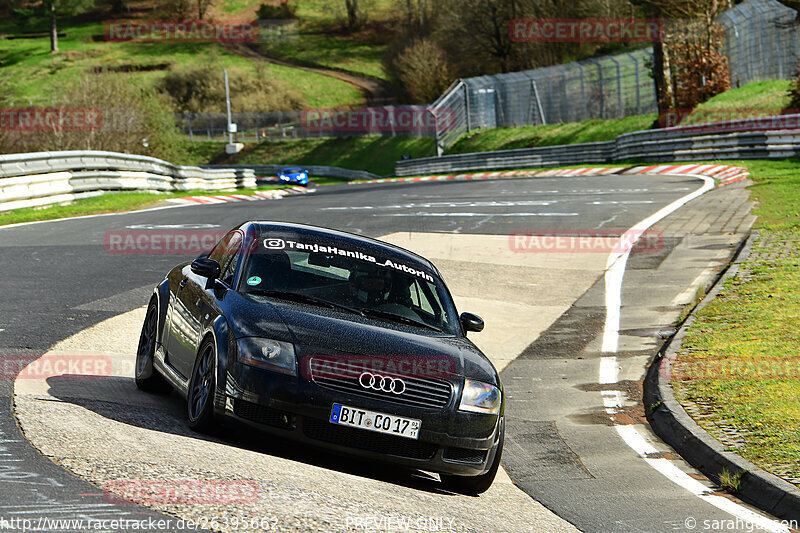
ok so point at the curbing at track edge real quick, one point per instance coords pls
(671, 422)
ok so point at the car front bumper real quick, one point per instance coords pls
(450, 441)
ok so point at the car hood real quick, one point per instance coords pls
(335, 336)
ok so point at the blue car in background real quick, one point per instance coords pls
(293, 176)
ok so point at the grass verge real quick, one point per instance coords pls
(551, 135)
(35, 75)
(738, 369)
(323, 42)
(113, 202)
(373, 154)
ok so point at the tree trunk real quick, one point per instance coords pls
(53, 29)
(661, 72)
(352, 13)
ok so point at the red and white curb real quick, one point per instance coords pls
(275, 194)
(723, 174)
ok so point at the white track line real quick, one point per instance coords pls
(615, 266)
(609, 373)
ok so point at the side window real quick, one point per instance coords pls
(225, 253)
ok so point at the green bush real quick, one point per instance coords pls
(134, 120)
(284, 10)
(202, 90)
(423, 70)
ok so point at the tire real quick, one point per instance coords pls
(202, 387)
(145, 375)
(474, 485)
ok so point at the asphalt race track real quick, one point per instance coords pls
(563, 448)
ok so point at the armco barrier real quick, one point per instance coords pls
(314, 170)
(739, 139)
(569, 154)
(42, 178)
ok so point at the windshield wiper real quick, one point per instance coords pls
(397, 318)
(304, 298)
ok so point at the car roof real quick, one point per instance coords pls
(292, 169)
(263, 227)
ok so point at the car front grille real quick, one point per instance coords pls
(426, 393)
(367, 440)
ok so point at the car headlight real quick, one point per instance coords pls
(479, 397)
(268, 353)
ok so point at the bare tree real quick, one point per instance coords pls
(353, 14)
(58, 8)
(423, 70)
(678, 15)
(202, 8)
(126, 115)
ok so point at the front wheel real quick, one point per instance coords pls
(146, 377)
(200, 400)
(475, 484)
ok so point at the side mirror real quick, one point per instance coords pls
(471, 322)
(207, 268)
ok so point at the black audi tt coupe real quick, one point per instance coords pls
(329, 338)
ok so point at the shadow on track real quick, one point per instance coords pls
(117, 398)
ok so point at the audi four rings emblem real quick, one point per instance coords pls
(386, 384)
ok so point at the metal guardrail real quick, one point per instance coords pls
(43, 178)
(508, 159)
(313, 170)
(691, 143)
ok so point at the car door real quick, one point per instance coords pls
(190, 308)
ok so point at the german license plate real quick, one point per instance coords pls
(372, 421)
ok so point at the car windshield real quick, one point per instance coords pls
(293, 170)
(350, 280)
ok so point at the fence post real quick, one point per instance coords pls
(602, 88)
(620, 112)
(538, 102)
(564, 99)
(638, 81)
(466, 106)
(437, 138)
(583, 92)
